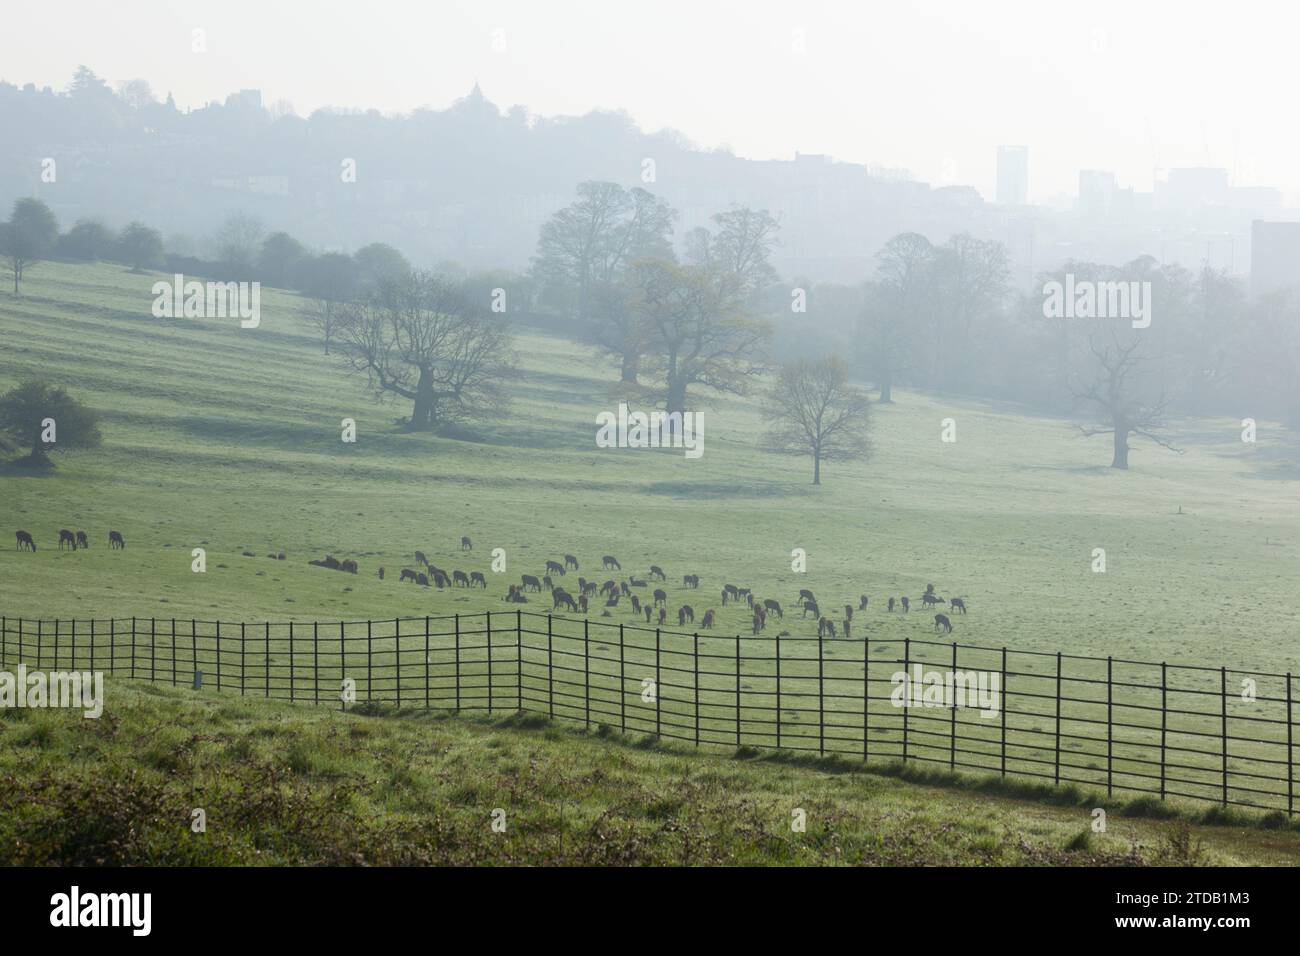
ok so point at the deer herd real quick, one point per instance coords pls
(632, 589)
(640, 595)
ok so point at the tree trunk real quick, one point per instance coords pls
(817, 468)
(422, 411)
(1121, 449)
(676, 396)
(631, 364)
(887, 387)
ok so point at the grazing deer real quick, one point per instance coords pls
(811, 605)
(609, 561)
(582, 602)
(658, 572)
(663, 615)
(532, 582)
(941, 621)
(707, 621)
(890, 606)
(406, 575)
(686, 613)
(466, 544)
(422, 579)
(845, 625)
(636, 604)
(421, 559)
(82, 540)
(555, 567)
(381, 574)
(115, 540)
(461, 580)
(930, 599)
(774, 607)
(548, 583)
(638, 582)
(349, 566)
(624, 589)
(732, 590)
(476, 577)
(647, 609)
(609, 586)
(613, 599)
(806, 595)
(690, 581)
(830, 628)
(862, 603)
(725, 596)
(906, 605)
(589, 588)
(561, 597)
(758, 622)
(570, 562)
(440, 578)
(67, 537)
(958, 605)
(660, 597)
(848, 612)
(25, 542)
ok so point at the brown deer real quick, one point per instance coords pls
(890, 606)
(531, 582)
(690, 581)
(774, 607)
(67, 537)
(609, 561)
(906, 605)
(25, 542)
(658, 572)
(554, 567)
(82, 540)
(685, 613)
(862, 603)
(663, 615)
(661, 597)
(941, 621)
(466, 544)
(115, 540)
(349, 566)
(582, 602)
(958, 605)
(636, 604)
(421, 559)
(381, 574)
(461, 580)
(707, 621)
(407, 575)
(476, 577)
(562, 597)
(422, 579)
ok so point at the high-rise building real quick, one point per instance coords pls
(1013, 175)
(1274, 256)
(1097, 191)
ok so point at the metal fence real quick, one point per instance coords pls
(1137, 727)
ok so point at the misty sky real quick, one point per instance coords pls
(932, 87)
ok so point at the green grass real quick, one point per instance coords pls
(285, 784)
(228, 439)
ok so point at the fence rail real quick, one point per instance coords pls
(1172, 730)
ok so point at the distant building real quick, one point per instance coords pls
(1013, 175)
(1097, 191)
(1274, 256)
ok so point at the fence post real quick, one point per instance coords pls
(1004, 711)
(426, 662)
(1056, 749)
(397, 658)
(4, 624)
(370, 656)
(622, 684)
(292, 666)
(866, 691)
(458, 663)
(488, 619)
(519, 657)
(907, 700)
(737, 690)
(952, 720)
(550, 667)
(153, 647)
(73, 664)
(1223, 693)
(1110, 734)
(1164, 722)
(586, 673)
(821, 704)
(343, 665)
(778, 691)
(4, 641)
(315, 662)
(194, 642)
(74, 644)
(56, 644)
(1290, 777)
(218, 661)
(695, 686)
(38, 646)
(658, 687)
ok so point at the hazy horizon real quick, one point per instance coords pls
(1121, 88)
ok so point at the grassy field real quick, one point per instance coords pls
(284, 784)
(229, 440)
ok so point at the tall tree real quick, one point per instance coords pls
(898, 303)
(378, 263)
(28, 237)
(697, 331)
(970, 277)
(89, 241)
(34, 410)
(816, 412)
(236, 245)
(1124, 404)
(421, 338)
(140, 247)
(278, 260)
(738, 250)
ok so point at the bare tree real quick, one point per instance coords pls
(697, 331)
(815, 411)
(1117, 397)
(421, 338)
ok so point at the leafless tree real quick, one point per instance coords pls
(422, 338)
(815, 411)
(1116, 395)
